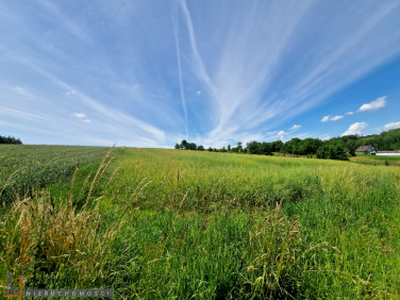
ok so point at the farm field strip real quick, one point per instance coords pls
(376, 160)
(37, 166)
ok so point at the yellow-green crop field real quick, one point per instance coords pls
(29, 167)
(175, 224)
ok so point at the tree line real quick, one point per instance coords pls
(340, 148)
(9, 140)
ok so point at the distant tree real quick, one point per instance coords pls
(323, 152)
(239, 147)
(276, 146)
(332, 151)
(254, 147)
(200, 148)
(9, 140)
(259, 148)
(191, 146)
(351, 146)
(309, 146)
(265, 148)
(292, 146)
(184, 145)
(335, 148)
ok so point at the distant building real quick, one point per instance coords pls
(366, 149)
(388, 153)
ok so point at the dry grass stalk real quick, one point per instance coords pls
(72, 185)
(138, 189)
(8, 182)
(183, 200)
(40, 233)
(101, 166)
(84, 184)
(203, 226)
(112, 176)
(106, 166)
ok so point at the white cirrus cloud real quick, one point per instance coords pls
(280, 133)
(349, 113)
(20, 90)
(374, 105)
(325, 119)
(79, 115)
(70, 93)
(87, 121)
(335, 118)
(393, 125)
(250, 68)
(356, 128)
(329, 118)
(295, 127)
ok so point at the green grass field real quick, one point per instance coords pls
(376, 160)
(29, 167)
(156, 224)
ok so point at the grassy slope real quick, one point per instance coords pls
(215, 230)
(376, 160)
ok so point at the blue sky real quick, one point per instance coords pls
(149, 73)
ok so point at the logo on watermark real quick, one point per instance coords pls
(11, 290)
(14, 289)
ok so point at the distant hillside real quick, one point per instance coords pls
(387, 140)
(336, 148)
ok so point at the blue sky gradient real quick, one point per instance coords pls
(149, 73)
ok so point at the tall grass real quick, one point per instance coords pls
(156, 224)
(44, 238)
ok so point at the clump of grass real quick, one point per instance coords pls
(6, 184)
(44, 240)
(274, 245)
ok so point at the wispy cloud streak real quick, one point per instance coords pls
(178, 58)
(147, 73)
(259, 78)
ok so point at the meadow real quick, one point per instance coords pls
(376, 160)
(157, 224)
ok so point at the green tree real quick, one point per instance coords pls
(239, 147)
(9, 140)
(191, 146)
(276, 146)
(184, 145)
(254, 147)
